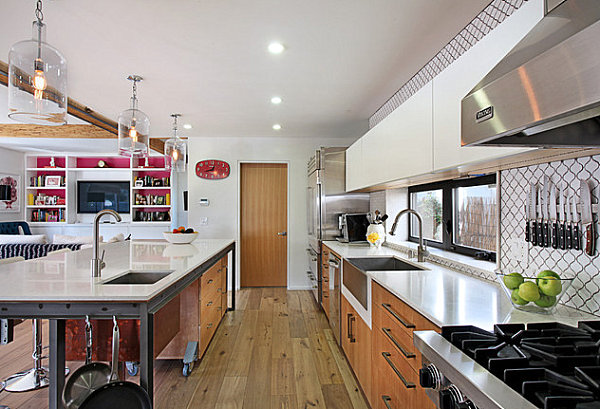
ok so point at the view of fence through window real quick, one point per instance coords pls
(429, 205)
(475, 217)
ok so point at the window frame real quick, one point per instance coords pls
(447, 187)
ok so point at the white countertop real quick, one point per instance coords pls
(67, 277)
(446, 297)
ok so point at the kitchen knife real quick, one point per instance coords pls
(553, 216)
(540, 220)
(586, 217)
(527, 220)
(569, 232)
(531, 221)
(544, 202)
(561, 223)
(576, 238)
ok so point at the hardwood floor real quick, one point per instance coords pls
(275, 352)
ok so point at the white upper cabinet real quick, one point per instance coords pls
(452, 84)
(354, 174)
(398, 147)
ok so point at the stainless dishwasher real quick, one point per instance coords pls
(335, 269)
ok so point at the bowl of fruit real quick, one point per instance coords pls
(538, 293)
(180, 235)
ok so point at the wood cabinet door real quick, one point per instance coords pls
(362, 355)
(348, 318)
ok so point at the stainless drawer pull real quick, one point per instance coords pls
(209, 281)
(219, 290)
(386, 400)
(388, 307)
(209, 304)
(388, 333)
(209, 325)
(407, 385)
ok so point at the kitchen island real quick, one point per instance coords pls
(61, 287)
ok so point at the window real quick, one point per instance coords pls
(458, 215)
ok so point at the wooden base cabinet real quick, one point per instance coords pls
(202, 305)
(396, 361)
(356, 343)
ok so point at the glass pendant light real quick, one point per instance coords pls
(37, 79)
(134, 127)
(175, 150)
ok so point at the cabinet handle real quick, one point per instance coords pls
(388, 307)
(210, 281)
(209, 304)
(209, 325)
(351, 319)
(388, 333)
(386, 401)
(219, 290)
(407, 385)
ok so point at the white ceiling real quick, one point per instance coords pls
(207, 59)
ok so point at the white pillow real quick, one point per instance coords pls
(23, 239)
(119, 237)
(66, 239)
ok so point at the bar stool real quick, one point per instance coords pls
(37, 377)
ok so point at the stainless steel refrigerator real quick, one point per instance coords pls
(327, 200)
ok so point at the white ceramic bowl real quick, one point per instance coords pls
(180, 238)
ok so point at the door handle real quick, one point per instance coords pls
(282, 233)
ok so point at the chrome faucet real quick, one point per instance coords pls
(421, 250)
(98, 262)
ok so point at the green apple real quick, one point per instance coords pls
(546, 273)
(529, 291)
(546, 301)
(550, 285)
(516, 298)
(512, 281)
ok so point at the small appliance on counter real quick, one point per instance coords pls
(545, 365)
(353, 227)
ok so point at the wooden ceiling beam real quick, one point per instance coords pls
(64, 131)
(78, 110)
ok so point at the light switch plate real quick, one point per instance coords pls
(519, 250)
(204, 221)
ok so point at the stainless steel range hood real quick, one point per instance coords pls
(546, 91)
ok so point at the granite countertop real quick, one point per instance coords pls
(447, 297)
(67, 277)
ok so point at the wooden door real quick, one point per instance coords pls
(263, 248)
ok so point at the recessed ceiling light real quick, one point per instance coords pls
(276, 48)
(276, 100)
(187, 126)
(276, 127)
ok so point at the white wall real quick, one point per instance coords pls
(13, 162)
(222, 213)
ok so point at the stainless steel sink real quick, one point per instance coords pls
(382, 264)
(139, 277)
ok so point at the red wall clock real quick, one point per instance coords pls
(212, 169)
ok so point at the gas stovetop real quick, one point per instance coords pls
(552, 365)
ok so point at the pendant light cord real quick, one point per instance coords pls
(175, 116)
(38, 12)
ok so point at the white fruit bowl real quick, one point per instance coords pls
(180, 238)
(547, 303)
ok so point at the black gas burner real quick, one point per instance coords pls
(554, 366)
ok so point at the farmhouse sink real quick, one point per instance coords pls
(382, 264)
(139, 277)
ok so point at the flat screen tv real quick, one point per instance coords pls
(93, 196)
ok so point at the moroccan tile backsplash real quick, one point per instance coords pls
(584, 293)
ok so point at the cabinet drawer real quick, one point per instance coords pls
(211, 279)
(400, 341)
(394, 309)
(396, 380)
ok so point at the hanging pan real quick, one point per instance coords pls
(117, 394)
(87, 378)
